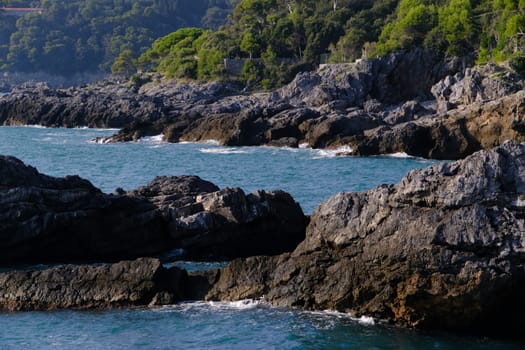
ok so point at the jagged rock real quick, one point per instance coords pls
(127, 283)
(338, 129)
(197, 112)
(49, 219)
(443, 249)
(390, 79)
(478, 84)
(408, 111)
(227, 223)
(371, 106)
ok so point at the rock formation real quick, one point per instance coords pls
(206, 221)
(127, 283)
(67, 219)
(443, 249)
(404, 102)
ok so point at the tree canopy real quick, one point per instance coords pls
(72, 36)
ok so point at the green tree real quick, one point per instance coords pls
(124, 64)
(457, 25)
(250, 44)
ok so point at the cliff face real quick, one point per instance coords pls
(443, 249)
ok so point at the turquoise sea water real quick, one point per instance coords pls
(309, 175)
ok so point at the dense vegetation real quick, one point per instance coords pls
(272, 39)
(72, 36)
(486, 30)
(278, 37)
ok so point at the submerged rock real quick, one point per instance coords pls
(67, 219)
(443, 249)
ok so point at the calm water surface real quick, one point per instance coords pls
(310, 176)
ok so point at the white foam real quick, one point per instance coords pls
(100, 140)
(34, 126)
(304, 145)
(152, 139)
(236, 305)
(224, 150)
(366, 320)
(245, 304)
(331, 153)
(399, 155)
(205, 142)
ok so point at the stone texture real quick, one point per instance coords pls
(67, 219)
(443, 249)
(127, 283)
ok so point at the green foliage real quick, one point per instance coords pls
(456, 23)
(249, 44)
(251, 73)
(73, 36)
(415, 20)
(124, 64)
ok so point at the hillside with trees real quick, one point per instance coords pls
(73, 36)
(274, 39)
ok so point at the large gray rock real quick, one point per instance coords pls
(62, 219)
(45, 218)
(391, 79)
(443, 249)
(207, 222)
(478, 84)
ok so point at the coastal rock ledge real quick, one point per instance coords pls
(443, 249)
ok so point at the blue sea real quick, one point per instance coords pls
(310, 176)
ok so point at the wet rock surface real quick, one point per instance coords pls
(67, 219)
(443, 249)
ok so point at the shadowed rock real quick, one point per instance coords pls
(67, 219)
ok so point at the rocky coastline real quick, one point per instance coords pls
(443, 249)
(407, 102)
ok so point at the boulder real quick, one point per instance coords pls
(443, 249)
(477, 84)
(207, 222)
